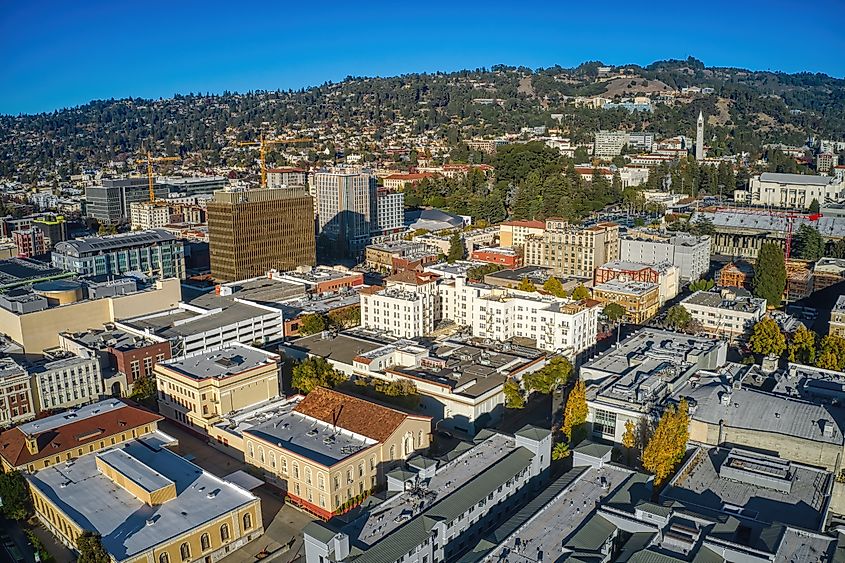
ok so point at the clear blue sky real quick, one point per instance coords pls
(64, 53)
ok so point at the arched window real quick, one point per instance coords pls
(392, 452)
(247, 521)
(409, 444)
(260, 454)
(185, 551)
(224, 532)
(205, 542)
(249, 448)
(164, 558)
(273, 460)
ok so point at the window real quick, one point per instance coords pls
(164, 558)
(247, 521)
(604, 422)
(224, 532)
(185, 551)
(273, 460)
(250, 450)
(205, 542)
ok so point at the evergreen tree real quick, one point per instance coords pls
(14, 492)
(832, 353)
(457, 250)
(560, 451)
(554, 287)
(614, 312)
(678, 318)
(580, 293)
(767, 338)
(814, 206)
(575, 412)
(91, 550)
(808, 243)
(769, 280)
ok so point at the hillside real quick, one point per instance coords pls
(747, 109)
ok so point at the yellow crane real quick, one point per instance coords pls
(150, 160)
(262, 143)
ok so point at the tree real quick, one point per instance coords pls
(575, 413)
(14, 492)
(814, 206)
(629, 438)
(613, 312)
(678, 318)
(702, 285)
(580, 293)
(769, 280)
(837, 249)
(513, 395)
(346, 317)
(478, 272)
(767, 338)
(91, 550)
(457, 250)
(554, 374)
(832, 353)
(808, 243)
(311, 373)
(554, 287)
(312, 324)
(667, 446)
(144, 389)
(526, 285)
(560, 451)
(802, 346)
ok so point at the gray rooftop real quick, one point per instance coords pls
(129, 526)
(185, 323)
(802, 179)
(231, 360)
(98, 244)
(101, 339)
(341, 348)
(829, 227)
(716, 300)
(73, 415)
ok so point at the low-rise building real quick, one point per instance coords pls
(828, 272)
(507, 257)
(63, 380)
(691, 254)
(16, 401)
(321, 279)
(513, 233)
(198, 389)
(396, 256)
(736, 274)
(792, 191)
(641, 300)
(725, 313)
(664, 274)
(332, 449)
(434, 507)
(399, 182)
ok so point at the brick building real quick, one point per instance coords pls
(507, 257)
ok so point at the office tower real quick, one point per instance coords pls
(347, 209)
(110, 202)
(252, 231)
(699, 138)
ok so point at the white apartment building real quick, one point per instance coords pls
(793, 190)
(725, 314)
(408, 307)
(148, 215)
(66, 382)
(610, 143)
(390, 212)
(691, 254)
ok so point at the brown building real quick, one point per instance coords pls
(253, 231)
(573, 250)
(828, 272)
(66, 436)
(736, 274)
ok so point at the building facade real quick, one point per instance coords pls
(691, 254)
(16, 400)
(794, 191)
(610, 143)
(514, 233)
(65, 381)
(664, 275)
(571, 250)
(146, 215)
(346, 204)
(253, 231)
(724, 313)
(641, 300)
(286, 177)
(110, 201)
(408, 307)
(837, 318)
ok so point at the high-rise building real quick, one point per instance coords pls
(610, 143)
(154, 252)
(110, 201)
(346, 209)
(699, 138)
(253, 231)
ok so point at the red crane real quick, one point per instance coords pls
(790, 217)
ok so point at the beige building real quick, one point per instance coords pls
(639, 299)
(149, 215)
(199, 389)
(571, 250)
(36, 321)
(333, 449)
(837, 318)
(514, 233)
(251, 232)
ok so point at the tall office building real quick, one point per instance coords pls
(699, 138)
(110, 201)
(253, 231)
(346, 209)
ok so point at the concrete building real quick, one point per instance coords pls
(390, 213)
(155, 252)
(699, 138)
(825, 161)
(793, 191)
(395, 256)
(287, 177)
(346, 208)
(34, 317)
(506, 257)
(63, 380)
(408, 307)
(333, 449)
(399, 182)
(197, 390)
(628, 382)
(725, 313)
(571, 250)
(69, 435)
(837, 318)
(253, 231)
(641, 300)
(321, 279)
(691, 254)
(145, 215)
(610, 143)
(17, 403)
(513, 233)
(828, 272)
(190, 186)
(142, 486)
(664, 274)
(110, 201)
(641, 141)
(465, 497)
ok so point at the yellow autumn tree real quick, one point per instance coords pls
(575, 413)
(629, 438)
(665, 450)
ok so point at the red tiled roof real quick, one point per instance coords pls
(526, 223)
(73, 435)
(351, 413)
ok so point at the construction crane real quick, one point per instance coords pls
(790, 217)
(262, 143)
(150, 160)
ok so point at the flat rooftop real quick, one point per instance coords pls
(533, 273)
(718, 301)
(129, 526)
(14, 271)
(342, 348)
(232, 360)
(110, 338)
(180, 323)
(703, 483)
(71, 416)
(323, 304)
(311, 438)
(629, 287)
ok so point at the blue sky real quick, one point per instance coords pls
(64, 53)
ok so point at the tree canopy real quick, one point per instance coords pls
(526, 285)
(767, 338)
(312, 324)
(513, 395)
(554, 374)
(666, 447)
(457, 250)
(14, 490)
(575, 412)
(678, 318)
(580, 293)
(91, 550)
(802, 346)
(831, 353)
(701, 285)
(614, 312)
(554, 287)
(311, 373)
(808, 243)
(769, 280)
